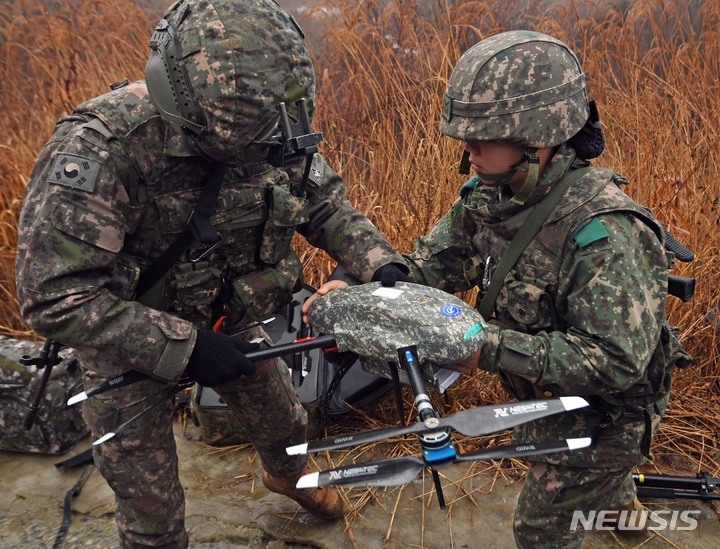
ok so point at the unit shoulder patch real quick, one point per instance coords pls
(74, 171)
(591, 232)
(317, 169)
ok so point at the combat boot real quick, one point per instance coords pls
(633, 522)
(324, 503)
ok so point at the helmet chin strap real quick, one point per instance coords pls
(533, 169)
(531, 179)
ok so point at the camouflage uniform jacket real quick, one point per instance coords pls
(114, 186)
(579, 314)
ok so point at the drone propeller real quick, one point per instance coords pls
(385, 472)
(473, 422)
(397, 471)
(112, 434)
(521, 450)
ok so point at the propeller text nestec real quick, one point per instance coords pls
(354, 472)
(507, 411)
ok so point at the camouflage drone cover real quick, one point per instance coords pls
(374, 322)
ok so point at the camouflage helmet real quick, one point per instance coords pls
(221, 68)
(520, 87)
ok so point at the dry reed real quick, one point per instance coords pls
(653, 68)
(54, 56)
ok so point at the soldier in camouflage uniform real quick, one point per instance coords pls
(582, 311)
(114, 187)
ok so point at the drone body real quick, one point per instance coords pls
(374, 322)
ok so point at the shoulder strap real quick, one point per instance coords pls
(524, 236)
(198, 229)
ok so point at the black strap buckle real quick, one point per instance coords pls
(196, 255)
(202, 230)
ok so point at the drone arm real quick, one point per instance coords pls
(408, 359)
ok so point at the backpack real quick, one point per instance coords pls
(325, 389)
(57, 427)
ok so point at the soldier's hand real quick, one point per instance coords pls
(390, 274)
(322, 290)
(466, 366)
(217, 358)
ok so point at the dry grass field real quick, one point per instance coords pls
(653, 68)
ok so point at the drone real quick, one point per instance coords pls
(414, 329)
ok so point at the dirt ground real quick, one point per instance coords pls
(227, 506)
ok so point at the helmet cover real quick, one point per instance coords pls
(520, 87)
(221, 68)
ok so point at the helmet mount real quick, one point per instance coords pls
(173, 94)
(296, 141)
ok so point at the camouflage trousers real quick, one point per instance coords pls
(141, 464)
(551, 493)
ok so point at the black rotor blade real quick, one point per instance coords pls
(520, 450)
(153, 406)
(668, 493)
(131, 376)
(396, 471)
(473, 422)
(120, 428)
(386, 472)
(489, 419)
(347, 441)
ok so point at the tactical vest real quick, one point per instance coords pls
(526, 301)
(251, 272)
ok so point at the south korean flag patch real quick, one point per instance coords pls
(76, 172)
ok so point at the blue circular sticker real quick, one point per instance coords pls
(450, 310)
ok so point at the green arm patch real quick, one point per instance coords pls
(591, 232)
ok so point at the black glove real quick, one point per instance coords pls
(217, 358)
(338, 273)
(389, 274)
